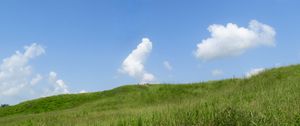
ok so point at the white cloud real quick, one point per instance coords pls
(19, 81)
(254, 72)
(57, 86)
(36, 79)
(147, 78)
(167, 65)
(16, 73)
(232, 40)
(217, 72)
(52, 76)
(133, 65)
(83, 91)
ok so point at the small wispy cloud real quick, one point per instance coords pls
(217, 72)
(167, 65)
(57, 86)
(83, 91)
(36, 79)
(254, 72)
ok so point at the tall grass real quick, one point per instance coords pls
(271, 98)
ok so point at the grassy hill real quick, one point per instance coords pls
(270, 98)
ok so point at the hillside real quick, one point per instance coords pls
(270, 98)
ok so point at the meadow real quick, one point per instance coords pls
(269, 98)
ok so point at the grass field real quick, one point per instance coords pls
(270, 98)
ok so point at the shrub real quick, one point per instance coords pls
(4, 105)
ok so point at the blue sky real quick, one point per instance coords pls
(86, 41)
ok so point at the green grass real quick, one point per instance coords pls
(270, 98)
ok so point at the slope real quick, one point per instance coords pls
(270, 98)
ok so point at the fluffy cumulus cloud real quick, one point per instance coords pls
(254, 72)
(18, 80)
(167, 65)
(232, 40)
(133, 65)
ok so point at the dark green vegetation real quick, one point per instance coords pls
(4, 105)
(270, 98)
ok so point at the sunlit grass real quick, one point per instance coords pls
(271, 98)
